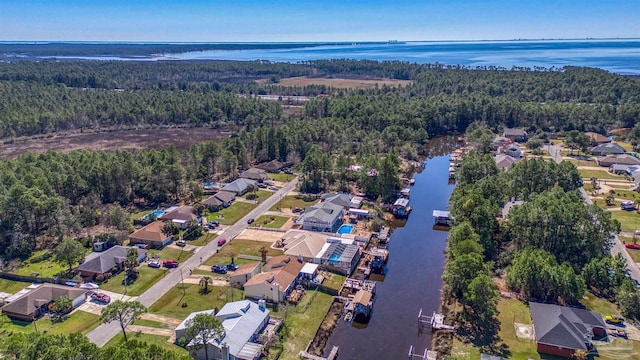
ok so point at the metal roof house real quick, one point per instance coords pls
(323, 217)
(561, 330)
(242, 322)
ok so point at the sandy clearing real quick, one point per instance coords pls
(260, 235)
(150, 330)
(161, 319)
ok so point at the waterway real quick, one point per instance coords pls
(413, 280)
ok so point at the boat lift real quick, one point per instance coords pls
(427, 355)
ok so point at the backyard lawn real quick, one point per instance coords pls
(240, 247)
(303, 322)
(605, 175)
(171, 303)
(291, 201)
(78, 321)
(202, 240)
(44, 268)
(334, 281)
(170, 253)
(161, 341)
(271, 222)
(230, 215)
(603, 203)
(629, 220)
(260, 195)
(138, 214)
(12, 287)
(282, 177)
(511, 311)
(599, 305)
(148, 277)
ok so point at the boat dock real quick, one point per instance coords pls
(427, 355)
(433, 322)
(442, 219)
(332, 355)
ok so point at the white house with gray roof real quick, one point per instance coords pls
(324, 217)
(242, 322)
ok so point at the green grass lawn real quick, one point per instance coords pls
(603, 204)
(138, 214)
(629, 220)
(153, 324)
(202, 240)
(605, 175)
(79, 321)
(231, 214)
(627, 194)
(635, 254)
(12, 287)
(170, 253)
(161, 341)
(599, 305)
(334, 281)
(240, 247)
(303, 322)
(148, 277)
(511, 311)
(260, 195)
(282, 177)
(44, 268)
(171, 303)
(462, 351)
(272, 222)
(291, 201)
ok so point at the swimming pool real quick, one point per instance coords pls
(345, 229)
(156, 213)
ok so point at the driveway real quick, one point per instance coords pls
(103, 333)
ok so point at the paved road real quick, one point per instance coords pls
(617, 247)
(103, 333)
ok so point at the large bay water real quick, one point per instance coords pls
(617, 56)
(414, 277)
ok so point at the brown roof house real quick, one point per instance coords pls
(561, 330)
(112, 259)
(151, 235)
(277, 281)
(504, 162)
(34, 303)
(624, 159)
(273, 166)
(180, 215)
(219, 200)
(597, 138)
(517, 135)
(244, 273)
(254, 174)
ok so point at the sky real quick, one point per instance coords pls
(315, 21)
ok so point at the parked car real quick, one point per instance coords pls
(154, 263)
(262, 185)
(250, 221)
(232, 267)
(181, 243)
(89, 286)
(272, 188)
(297, 210)
(222, 241)
(170, 263)
(219, 269)
(101, 297)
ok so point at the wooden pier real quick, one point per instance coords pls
(432, 323)
(426, 355)
(332, 355)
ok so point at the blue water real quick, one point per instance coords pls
(156, 213)
(345, 229)
(334, 259)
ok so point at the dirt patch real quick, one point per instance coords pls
(149, 330)
(342, 83)
(260, 235)
(161, 319)
(181, 138)
(326, 328)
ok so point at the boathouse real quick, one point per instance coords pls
(442, 218)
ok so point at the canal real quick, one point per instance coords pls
(415, 265)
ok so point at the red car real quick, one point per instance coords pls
(101, 297)
(221, 242)
(170, 263)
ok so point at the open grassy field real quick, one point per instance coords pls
(79, 321)
(12, 287)
(171, 303)
(635, 254)
(282, 177)
(291, 201)
(599, 305)
(629, 220)
(232, 214)
(342, 83)
(626, 194)
(259, 195)
(511, 311)
(604, 174)
(44, 268)
(303, 322)
(240, 247)
(151, 323)
(202, 240)
(161, 341)
(603, 203)
(462, 351)
(271, 222)
(170, 253)
(148, 277)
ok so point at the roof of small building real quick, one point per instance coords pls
(225, 196)
(108, 259)
(401, 202)
(340, 252)
(183, 213)
(151, 232)
(212, 201)
(514, 132)
(42, 295)
(309, 268)
(246, 268)
(341, 199)
(362, 297)
(608, 148)
(239, 185)
(563, 326)
(273, 165)
(504, 162)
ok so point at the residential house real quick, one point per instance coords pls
(33, 303)
(256, 174)
(151, 235)
(504, 162)
(607, 149)
(561, 330)
(305, 245)
(239, 277)
(107, 261)
(219, 200)
(517, 135)
(340, 256)
(180, 215)
(620, 169)
(277, 280)
(323, 217)
(345, 200)
(624, 159)
(597, 139)
(273, 166)
(242, 321)
(239, 186)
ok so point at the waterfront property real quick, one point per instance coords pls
(504, 162)
(303, 244)
(347, 201)
(442, 218)
(401, 208)
(30, 303)
(151, 235)
(243, 321)
(109, 261)
(323, 217)
(561, 330)
(340, 257)
(276, 281)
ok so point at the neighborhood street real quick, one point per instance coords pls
(103, 333)
(617, 247)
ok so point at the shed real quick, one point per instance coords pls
(308, 271)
